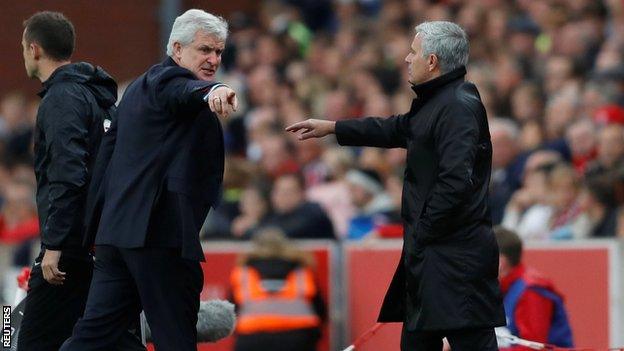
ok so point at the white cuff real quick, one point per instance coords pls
(218, 85)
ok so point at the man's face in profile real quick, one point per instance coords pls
(29, 57)
(202, 56)
(416, 63)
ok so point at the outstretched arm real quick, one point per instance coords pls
(370, 131)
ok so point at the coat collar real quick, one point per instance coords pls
(45, 86)
(169, 62)
(430, 87)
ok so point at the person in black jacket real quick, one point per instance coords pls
(77, 98)
(446, 282)
(298, 218)
(163, 165)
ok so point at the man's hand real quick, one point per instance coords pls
(49, 267)
(313, 128)
(223, 101)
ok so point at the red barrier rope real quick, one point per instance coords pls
(367, 335)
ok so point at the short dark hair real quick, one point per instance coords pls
(53, 32)
(509, 244)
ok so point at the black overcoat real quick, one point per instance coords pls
(447, 276)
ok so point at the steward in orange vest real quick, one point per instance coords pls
(278, 303)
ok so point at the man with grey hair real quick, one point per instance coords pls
(446, 282)
(158, 172)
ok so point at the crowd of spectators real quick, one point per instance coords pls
(550, 73)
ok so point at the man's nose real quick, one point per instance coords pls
(213, 58)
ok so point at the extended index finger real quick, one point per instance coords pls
(235, 102)
(295, 127)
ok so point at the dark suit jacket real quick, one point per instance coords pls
(447, 277)
(160, 167)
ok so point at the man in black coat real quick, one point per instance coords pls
(446, 283)
(163, 164)
(76, 100)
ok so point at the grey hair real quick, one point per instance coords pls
(192, 21)
(447, 41)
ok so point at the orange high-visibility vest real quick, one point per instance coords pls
(274, 305)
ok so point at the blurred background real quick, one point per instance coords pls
(550, 73)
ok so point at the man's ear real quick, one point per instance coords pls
(433, 62)
(35, 50)
(177, 49)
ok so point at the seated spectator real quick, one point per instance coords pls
(278, 302)
(581, 138)
(567, 220)
(19, 228)
(506, 166)
(298, 218)
(600, 207)
(254, 207)
(236, 176)
(373, 205)
(277, 156)
(610, 151)
(392, 227)
(534, 308)
(529, 212)
(527, 102)
(334, 195)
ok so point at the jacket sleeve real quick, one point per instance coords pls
(455, 138)
(66, 130)
(388, 132)
(95, 196)
(177, 90)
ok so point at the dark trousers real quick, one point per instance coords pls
(460, 340)
(51, 311)
(157, 280)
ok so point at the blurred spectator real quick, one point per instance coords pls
(279, 305)
(561, 110)
(506, 166)
(334, 195)
(534, 308)
(17, 119)
(581, 138)
(527, 102)
(374, 206)
(277, 156)
(610, 151)
(529, 211)
(236, 177)
(19, 229)
(392, 227)
(254, 208)
(298, 218)
(567, 221)
(600, 206)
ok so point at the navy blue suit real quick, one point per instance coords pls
(160, 169)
